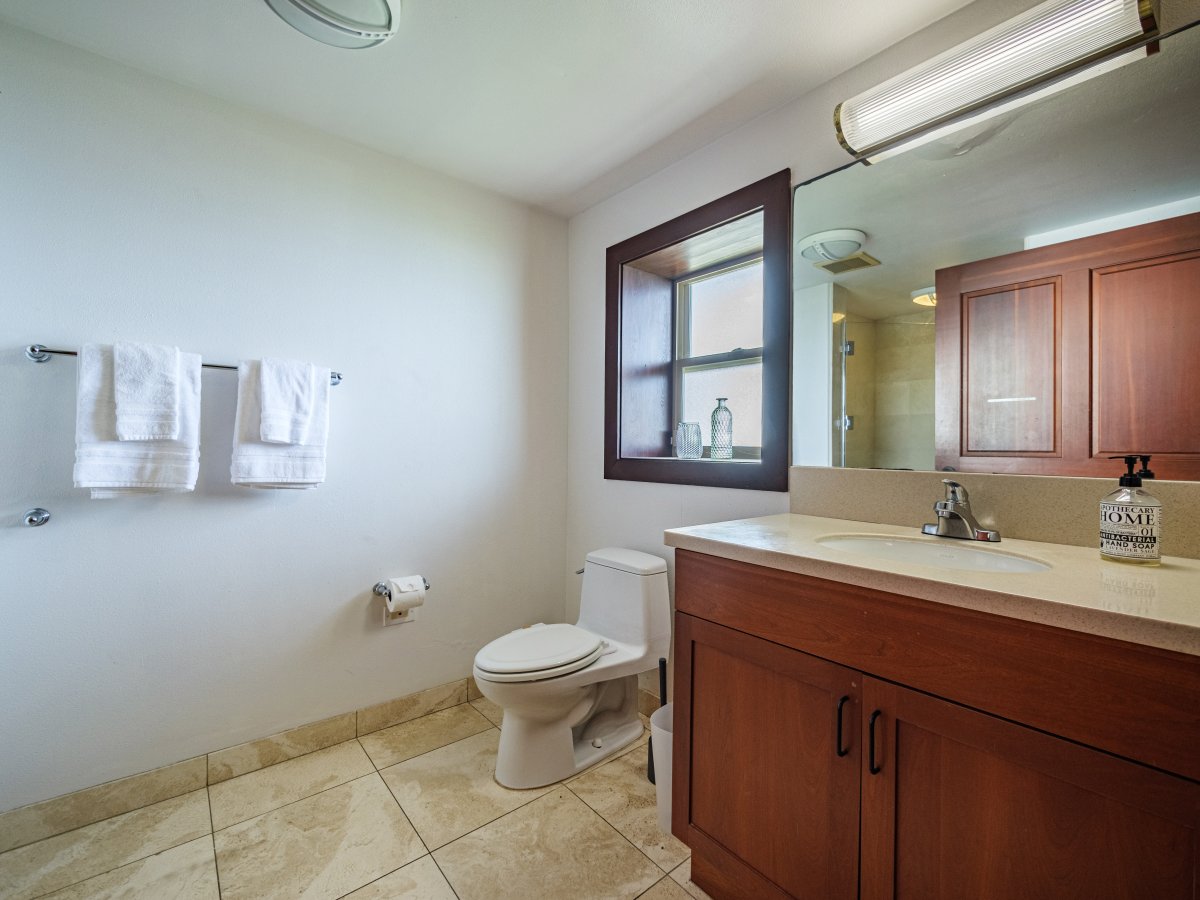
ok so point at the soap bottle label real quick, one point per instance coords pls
(1130, 531)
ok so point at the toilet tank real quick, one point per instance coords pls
(625, 598)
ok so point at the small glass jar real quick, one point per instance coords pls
(722, 431)
(687, 440)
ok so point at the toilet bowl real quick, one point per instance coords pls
(569, 692)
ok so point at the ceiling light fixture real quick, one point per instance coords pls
(1017, 61)
(828, 246)
(925, 296)
(837, 251)
(351, 24)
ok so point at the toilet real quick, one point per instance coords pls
(569, 692)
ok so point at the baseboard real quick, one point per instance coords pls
(57, 815)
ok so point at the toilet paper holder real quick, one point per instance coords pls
(381, 588)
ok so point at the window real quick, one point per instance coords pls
(699, 308)
(718, 351)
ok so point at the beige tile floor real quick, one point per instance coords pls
(412, 811)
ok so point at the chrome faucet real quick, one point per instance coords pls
(955, 519)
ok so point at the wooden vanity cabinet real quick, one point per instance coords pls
(934, 785)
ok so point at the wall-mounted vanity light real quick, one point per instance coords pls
(351, 24)
(1045, 49)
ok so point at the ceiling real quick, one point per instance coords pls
(1121, 142)
(553, 102)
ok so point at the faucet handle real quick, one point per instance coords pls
(955, 492)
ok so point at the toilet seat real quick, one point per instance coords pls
(538, 653)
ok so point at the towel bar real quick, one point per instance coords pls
(39, 354)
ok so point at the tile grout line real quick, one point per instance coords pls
(216, 862)
(445, 877)
(332, 787)
(624, 838)
(400, 807)
(375, 767)
(428, 852)
(656, 884)
(497, 819)
(297, 800)
(627, 840)
(435, 749)
(129, 862)
(212, 835)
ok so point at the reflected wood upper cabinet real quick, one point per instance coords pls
(833, 741)
(1051, 360)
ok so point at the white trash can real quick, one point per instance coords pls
(660, 734)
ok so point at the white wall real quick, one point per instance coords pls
(138, 632)
(798, 136)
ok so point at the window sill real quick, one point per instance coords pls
(746, 474)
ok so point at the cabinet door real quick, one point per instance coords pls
(961, 804)
(767, 791)
(1051, 360)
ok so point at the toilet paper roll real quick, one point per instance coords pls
(407, 592)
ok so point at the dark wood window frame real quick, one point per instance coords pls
(650, 382)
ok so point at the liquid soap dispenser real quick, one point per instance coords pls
(1131, 519)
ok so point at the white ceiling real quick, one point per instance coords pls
(553, 102)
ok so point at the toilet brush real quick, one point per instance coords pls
(662, 701)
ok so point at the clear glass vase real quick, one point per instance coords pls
(722, 431)
(687, 440)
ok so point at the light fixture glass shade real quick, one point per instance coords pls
(1046, 42)
(835, 244)
(925, 296)
(350, 24)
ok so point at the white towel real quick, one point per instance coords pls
(146, 389)
(114, 468)
(257, 463)
(288, 394)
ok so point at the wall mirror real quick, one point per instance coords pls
(1036, 303)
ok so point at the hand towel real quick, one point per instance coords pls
(288, 394)
(257, 463)
(114, 468)
(146, 388)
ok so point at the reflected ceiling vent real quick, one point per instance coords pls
(836, 251)
(350, 24)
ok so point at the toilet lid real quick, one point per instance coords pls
(539, 649)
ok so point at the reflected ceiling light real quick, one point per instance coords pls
(837, 251)
(830, 246)
(925, 296)
(352, 24)
(837, 317)
(1017, 61)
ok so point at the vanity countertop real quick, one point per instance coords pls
(1157, 606)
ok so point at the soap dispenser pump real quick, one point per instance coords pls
(1131, 519)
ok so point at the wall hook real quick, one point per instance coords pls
(36, 516)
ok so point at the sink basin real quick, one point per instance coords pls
(945, 553)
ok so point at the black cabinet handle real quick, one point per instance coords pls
(841, 751)
(874, 769)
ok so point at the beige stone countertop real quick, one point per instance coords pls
(1158, 606)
